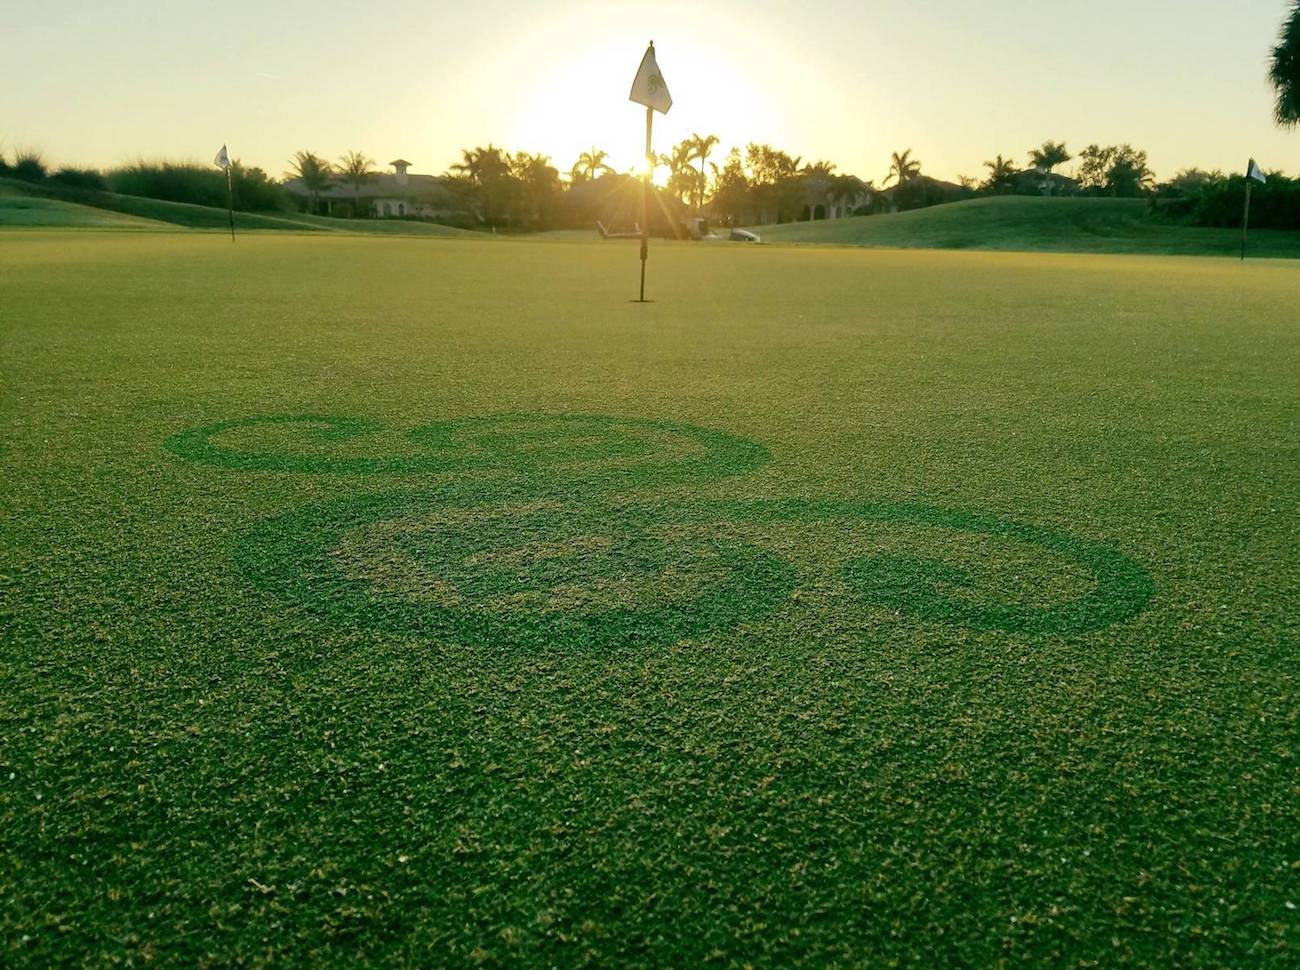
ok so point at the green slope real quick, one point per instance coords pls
(24, 211)
(1054, 225)
(192, 216)
(376, 227)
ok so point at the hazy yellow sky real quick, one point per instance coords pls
(958, 82)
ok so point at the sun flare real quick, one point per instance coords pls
(569, 107)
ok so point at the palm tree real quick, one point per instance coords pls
(819, 169)
(1285, 70)
(1002, 174)
(903, 167)
(537, 188)
(1049, 155)
(681, 176)
(483, 173)
(701, 148)
(314, 173)
(1045, 158)
(470, 166)
(355, 169)
(846, 189)
(590, 165)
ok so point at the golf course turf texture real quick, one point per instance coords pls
(426, 602)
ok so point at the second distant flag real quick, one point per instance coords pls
(1253, 174)
(222, 161)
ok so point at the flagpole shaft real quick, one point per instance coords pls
(1245, 220)
(645, 197)
(230, 204)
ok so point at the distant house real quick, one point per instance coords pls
(919, 192)
(832, 198)
(807, 197)
(1035, 181)
(389, 195)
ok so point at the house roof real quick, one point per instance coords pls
(921, 180)
(1038, 174)
(385, 186)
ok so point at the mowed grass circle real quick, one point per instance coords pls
(537, 572)
(594, 450)
(929, 589)
(506, 565)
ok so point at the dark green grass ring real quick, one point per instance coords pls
(197, 446)
(522, 576)
(596, 451)
(933, 590)
(491, 564)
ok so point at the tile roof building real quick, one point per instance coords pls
(395, 194)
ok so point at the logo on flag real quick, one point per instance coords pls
(223, 159)
(649, 88)
(1253, 171)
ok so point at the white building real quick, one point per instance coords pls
(388, 195)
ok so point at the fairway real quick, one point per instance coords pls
(423, 601)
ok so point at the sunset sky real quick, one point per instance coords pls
(102, 83)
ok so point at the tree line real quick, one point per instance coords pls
(494, 187)
(491, 187)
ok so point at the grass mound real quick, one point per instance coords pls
(16, 210)
(1031, 224)
(181, 214)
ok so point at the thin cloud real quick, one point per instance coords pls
(271, 77)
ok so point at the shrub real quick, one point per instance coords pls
(81, 178)
(457, 220)
(29, 165)
(1274, 205)
(253, 190)
(921, 192)
(172, 182)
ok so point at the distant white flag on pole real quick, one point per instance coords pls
(223, 159)
(649, 88)
(1256, 173)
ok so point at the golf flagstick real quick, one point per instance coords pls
(645, 199)
(1245, 222)
(1253, 174)
(650, 90)
(222, 161)
(230, 204)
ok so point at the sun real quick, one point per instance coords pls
(564, 106)
(659, 177)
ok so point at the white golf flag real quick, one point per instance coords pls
(649, 88)
(223, 158)
(1256, 173)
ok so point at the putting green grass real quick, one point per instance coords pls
(398, 603)
(1035, 225)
